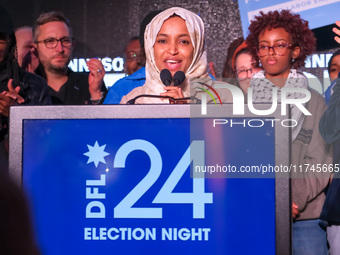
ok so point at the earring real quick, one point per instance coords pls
(293, 60)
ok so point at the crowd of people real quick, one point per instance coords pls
(34, 71)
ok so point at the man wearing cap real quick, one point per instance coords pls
(16, 85)
(54, 43)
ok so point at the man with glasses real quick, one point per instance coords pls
(54, 43)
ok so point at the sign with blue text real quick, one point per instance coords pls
(134, 186)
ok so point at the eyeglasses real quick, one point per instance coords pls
(51, 43)
(242, 74)
(132, 56)
(278, 49)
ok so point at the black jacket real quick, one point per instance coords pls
(75, 91)
(33, 89)
(330, 130)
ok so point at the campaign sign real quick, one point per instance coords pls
(123, 186)
(318, 13)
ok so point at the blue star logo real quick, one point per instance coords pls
(96, 154)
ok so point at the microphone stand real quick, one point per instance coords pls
(132, 101)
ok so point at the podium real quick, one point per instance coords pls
(151, 179)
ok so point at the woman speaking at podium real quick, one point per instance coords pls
(176, 61)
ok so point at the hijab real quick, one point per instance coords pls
(197, 69)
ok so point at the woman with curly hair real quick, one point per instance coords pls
(281, 41)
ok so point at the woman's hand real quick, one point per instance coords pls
(175, 92)
(295, 211)
(337, 31)
(9, 98)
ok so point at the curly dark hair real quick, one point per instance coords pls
(298, 28)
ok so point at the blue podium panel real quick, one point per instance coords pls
(123, 186)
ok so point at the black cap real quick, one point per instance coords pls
(6, 23)
(147, 19)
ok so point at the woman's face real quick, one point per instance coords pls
(244, 69)
(277, 65)
(335, 68)
(173, 49)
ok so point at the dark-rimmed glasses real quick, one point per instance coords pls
(51, 43)
(278, 49)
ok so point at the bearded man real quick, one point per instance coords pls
(54, 43)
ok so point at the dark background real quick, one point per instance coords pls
(102, 28)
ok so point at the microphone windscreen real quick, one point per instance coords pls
(166, 77)
(179, 77)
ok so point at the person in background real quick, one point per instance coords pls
(228, 69)
(123, 86)
(334, 74)
(244, 67)
(333, 71)
(17, 87)
(281, 41)
(16, 235)
(54, 43)
(134, 58)
(334, 66)
(329, 129)
(27, 57)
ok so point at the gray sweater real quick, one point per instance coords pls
(310, 148)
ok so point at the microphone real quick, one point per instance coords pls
(179, 77)
(166, 77)
(133, 100)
